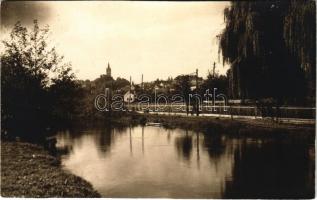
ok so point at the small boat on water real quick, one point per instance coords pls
(153, 124)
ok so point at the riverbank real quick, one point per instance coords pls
(238, 127)
(27, 170)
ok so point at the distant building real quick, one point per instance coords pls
(129, 97)
(108, 70)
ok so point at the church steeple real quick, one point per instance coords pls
(108, 70)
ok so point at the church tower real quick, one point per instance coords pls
(108, 70)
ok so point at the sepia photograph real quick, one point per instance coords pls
(158, 99)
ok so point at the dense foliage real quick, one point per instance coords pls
(37, 87)
(96, 87)
(182, 86)
(270, 46)
(220, 82)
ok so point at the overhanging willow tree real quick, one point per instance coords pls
(300, 38)
(270, 47)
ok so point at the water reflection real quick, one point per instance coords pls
(156, 162)
(273, 170)
(215, 144)
(184, 145)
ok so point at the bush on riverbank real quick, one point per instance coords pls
(38, 88)
(28, 171)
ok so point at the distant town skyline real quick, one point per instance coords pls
(156, 39)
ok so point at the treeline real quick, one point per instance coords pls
(96, 87)
(271, 49)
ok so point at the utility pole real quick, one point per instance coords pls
(129, 98)
(214, 70)
(142, 86)
(197, 102)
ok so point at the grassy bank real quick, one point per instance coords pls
(28, 170)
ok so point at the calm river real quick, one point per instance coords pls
(156, 162)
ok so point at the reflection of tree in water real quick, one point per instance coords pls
(104, 139)
(62, 151)
(214, 145)
(168, 135)
(121, 129)
(273, 170)
(102, 135)
(184, 146)
(69, 136)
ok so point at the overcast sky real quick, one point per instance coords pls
(158, 39)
